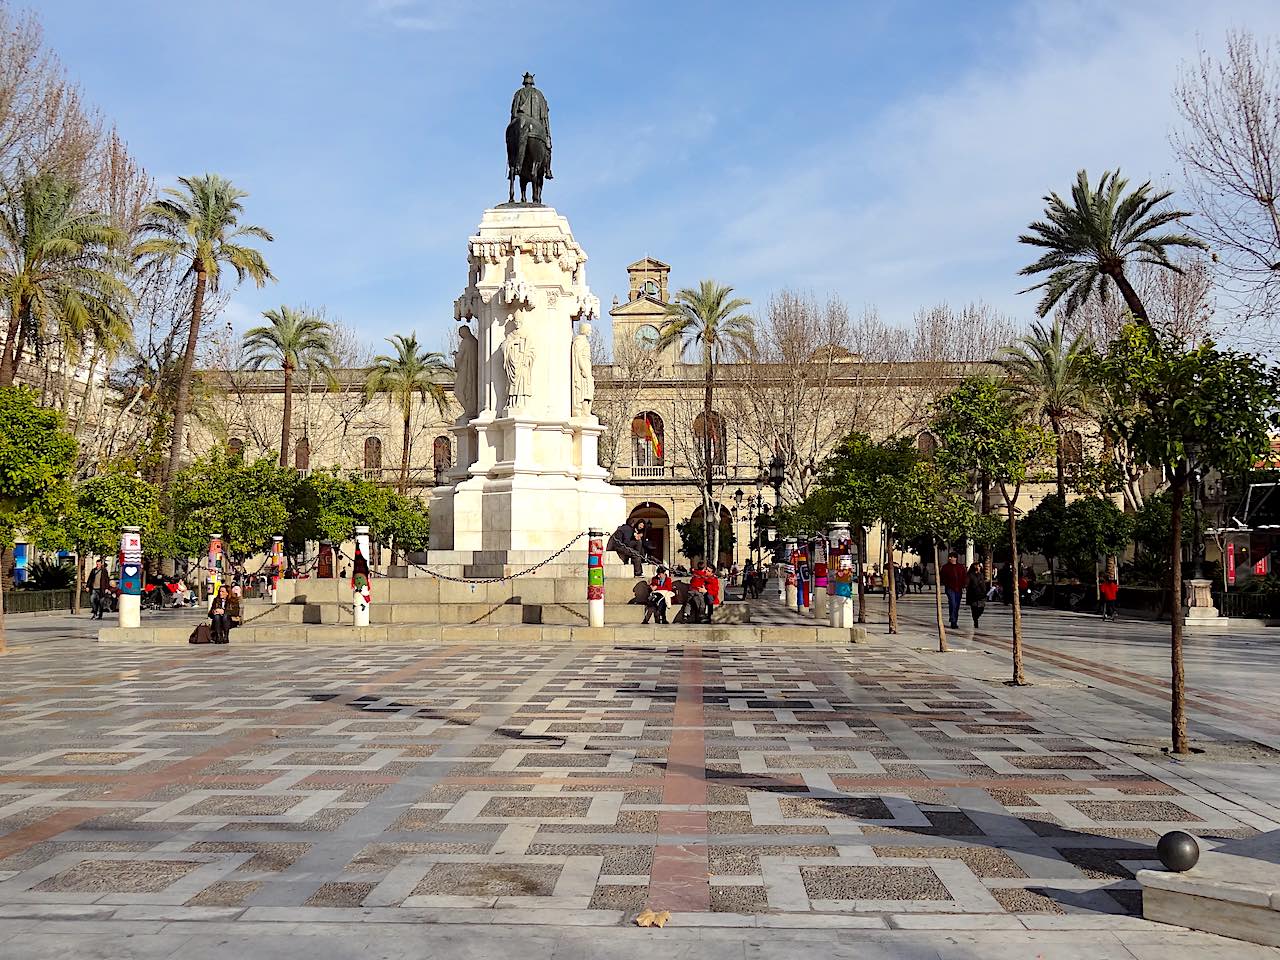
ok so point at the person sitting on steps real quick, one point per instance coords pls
(626, 543)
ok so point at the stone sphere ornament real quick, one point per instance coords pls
(1178, 850)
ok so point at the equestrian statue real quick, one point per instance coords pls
(528, 142)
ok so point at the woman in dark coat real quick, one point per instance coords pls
(220, 615)
(975, 592)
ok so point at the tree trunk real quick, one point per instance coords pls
(1177, 685)
(9, 359)
(862, 590)
(79, 584)
(288, 414)
(890, 583)
(404, 453)
(937, 598)
(709, 523)
(1061, 460)
(1131, 298)
(1019, 677)
(4, 557)
(182, 396)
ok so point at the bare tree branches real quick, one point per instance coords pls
(1230, 154)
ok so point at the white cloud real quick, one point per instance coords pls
(945, 181)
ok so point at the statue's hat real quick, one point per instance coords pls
(528, 77)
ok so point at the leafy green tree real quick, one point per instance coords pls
(247, 503)
(293, 339)
(1093, 529)
(1092, 239)
(693, 544)
(925, 505)
(196, 226)
(327, 506)
(709, 321)
(412, 372)
(1197, 408)
(97, 511)
(1040, 530)
(58, 265)
(1048, 372)
(37, 455)
(984, 434)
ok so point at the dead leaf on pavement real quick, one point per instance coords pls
(651, 919)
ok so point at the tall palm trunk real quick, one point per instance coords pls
(1056, 425)
(710, 523)
(1019, 677)
(288, 413)
(1131, 298)
(1177, 685)
(9, 360)
(182, 393)
(404, 450)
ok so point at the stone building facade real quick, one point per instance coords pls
(650, 401)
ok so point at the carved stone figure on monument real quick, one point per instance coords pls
(464, 366)
(517, 360)
(584, 381)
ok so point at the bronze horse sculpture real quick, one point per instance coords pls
(528, 153)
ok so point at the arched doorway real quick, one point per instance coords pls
(658, 536)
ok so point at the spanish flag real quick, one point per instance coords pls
(653, 439)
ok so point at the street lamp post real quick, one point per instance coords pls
(776, 471)
(737, 519)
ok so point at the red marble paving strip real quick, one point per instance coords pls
(680, 878)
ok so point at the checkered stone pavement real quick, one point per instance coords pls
(862, 783)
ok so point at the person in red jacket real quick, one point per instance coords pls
(954, 579)
(1108, 591)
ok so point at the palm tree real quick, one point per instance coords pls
(1096, 236)
(294, 339)
(58, 266)
(710, 320)
(1047, 372)
(197, 224)
(412, 371)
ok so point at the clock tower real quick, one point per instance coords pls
(640, 320)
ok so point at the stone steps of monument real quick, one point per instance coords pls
(569, 614)
(430, 590)
(617, 635)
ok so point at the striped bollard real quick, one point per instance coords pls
(129, 604)
(361, 594)
(277, 565)
(595, 578)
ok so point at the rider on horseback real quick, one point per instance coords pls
(529, 107)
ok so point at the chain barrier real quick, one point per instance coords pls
(511, 576)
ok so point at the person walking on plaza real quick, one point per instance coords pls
(954, 580)
(1108, 591)
(97, 584)
(975, 592)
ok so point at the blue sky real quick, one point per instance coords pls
(886, 152)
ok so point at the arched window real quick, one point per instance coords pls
(372, 458)
(441, 457)
(1072, 447)
(927, 444)
(647, 453)
(235, 448)
(302, 454)
(719, 444)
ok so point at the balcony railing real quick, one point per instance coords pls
(648, 472)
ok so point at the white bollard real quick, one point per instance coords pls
(130, 603)
(361, 592)
(819, 603)
(595, 578)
